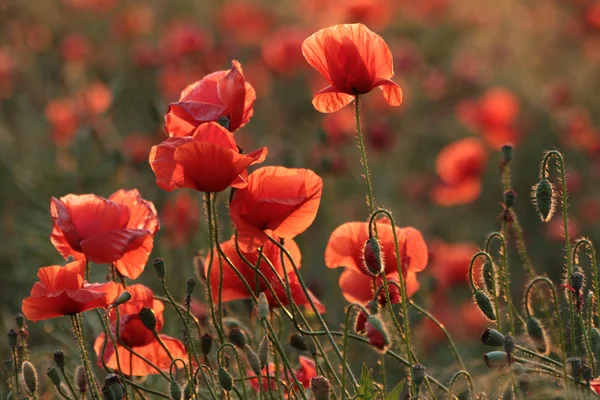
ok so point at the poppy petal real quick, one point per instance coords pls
(143, 212)
(64, 233)
(232, 92)
(112, 246)
(330, 100)
(134, 260)
(183, 117)
(356, 287)
(93, 215)
(169, 174)
(391, 92)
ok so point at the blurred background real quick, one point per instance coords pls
(84, 85)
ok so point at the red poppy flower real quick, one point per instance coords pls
(270, 383)
(345, 249)
(134, 334)
(282, 51)
(234, 289)
(63, 117)
(222, 93)
(62, 291)
(207, 161)
(449, 264)
(354, 60)
(118, 230)
(460, 166)
(304, 373)
(279, 202)
(180, 216)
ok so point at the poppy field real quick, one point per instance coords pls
(247, 199)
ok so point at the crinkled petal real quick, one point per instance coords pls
(330, 100)
(143, 212)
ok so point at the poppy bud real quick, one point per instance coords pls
(488, 273)
(225, 379)
(377, 333)
(20, 321)
(122, 298)
(496, 359)
(263, 352)
(206, 343)
(112, 389)
(587, 373)
(517, 369)
(148, 318)
(29, 376)
(373, 264)
(59, 359)
(537, 335)
(507, 153)
(107, 393)
(320, 387)
(12, 338)
(485, 305)
(418, 374)
(509, 198)
(252, 360)
(576, 281)
(575, 367)
(491, 337)
(159, 266)
(263, 306)
(175, 390)
(237, 337)
(360, 323)
(544, 199)
(508, 344)
(223, 121)
(297, 341)
(81, 379)
(191, 284)
(54, 376)
(373, 306)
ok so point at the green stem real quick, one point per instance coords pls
(16, 374)
(455, 378)
(84, 357)
(505, 276)
(345, 344)
(216, 324)
(475, 288)
(69, 384)
(591, 252)
(363, 157)
(537, 355)
(107, 332)
(586, 341)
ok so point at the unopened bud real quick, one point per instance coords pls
(225, 379)
(377, 333)
(587, 373)
(576, 281)
(488, 273)
(373, 306)
(372, 263)
(237, 337)
(491, 337)
(418, 374)
(320, 387)
(263, 352)
(298, 342)
(537, 335)
(508, 344)
(148, 318)
(29, 376)
(496, 359)
(123, 298)
(59, 358)
(159, 266)
(544, 199)
(81, 379)
(485, 305)
(509, 198)
(253, 360)
(113, 388)
(507, 153)
(191, 284)
(206, 343)
(175, 390)
(575, 367)
(20, 321)
(54, 376)
(12, 338)
(263, 306)
(360, 323)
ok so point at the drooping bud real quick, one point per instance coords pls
(12, 338)
(237, 337)
(488, 273)
(491, 337)
(377, 333)
(509, 198)
(225, 379)
(175, 390)
(544, 199)
(298, 342)
(54, 376)
(537, 335)
(263, 306)
(59, 358)
(253, 360)
(29, 376)
(507, 152)
(576, 281)
(206, 343)
(587, 373)
(20, 321)
(320, 387)
(418, 374)
(575, 367)
(372, 263)
(496, 359)
(122, 298)
(508, 344)
(148, 318)
(263, 352)
(485, 305)
(81, 379)
(360, 323)
(191, 284)
(159, 266)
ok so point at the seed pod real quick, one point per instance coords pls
(507, 152)
(488, 274)
(225, 379)
(12, 338)
(191, 284)
(298, 342)
(81, 379)
(485, 305)
(263, 352)
(20, 321)
(29, 376)
(496, 359)
(237, 337)
(508, 344)
(59, 358)
(587, 373)
(148, 318)
(377, 333)
(372, 263)
(252, 360)
(418, 374)
(263, 306)
(107, 393)
(159, 266)
(206, 343)
(320, 387)
(491, 337)
(537, 335)
(223, 121)
(123, 298)
(576, 281)
(175, 390)
(54, 376)
(544, 199)
(517, 369)
(575, 367)
(112, 385)
(509, 198)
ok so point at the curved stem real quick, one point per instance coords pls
(16, 386)
(505, 276)
(345, 345)
(455, 378)
(475, 288)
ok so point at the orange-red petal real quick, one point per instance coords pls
(330, 100)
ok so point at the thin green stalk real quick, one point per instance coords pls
(69, 384)
(475, 288)
(216, 323)
(63, 394)
(455, 378)
(216, 238)
(586, 341)
(363, 157)
(84, 357)
(16, 386)
(537, 355)
(145, 389)
(345, 344)
(505, 276)
(107, 332)
(591, 252)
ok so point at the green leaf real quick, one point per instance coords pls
(397, 392)
(366, 389)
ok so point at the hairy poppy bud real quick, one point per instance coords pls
(485, 305)
(20, 321)
(298, 342)
(59, 358)
(320, 387)
(418, 374)
(509, 198)
(488, 273)
(491, 337)
(29, 376)
(263, 352)
(377, 333)
(237, 337)
(263, 306)
(175, 390)
(122, 298)
(225, 379)
(373, 264)
(373, 307)
(508, 344)
(360, 323)
(587, 373)
(12, 338)
(54, 376)
(576, 281)
(252, 360)
(507, 153)
(544, 199)
(159, 266)
(575, 367)
(537, 335)
(112, 389)
(148, 318)
(191, 284)
(81, 379)
(496, 359)
(206, 343)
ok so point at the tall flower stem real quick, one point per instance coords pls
(505, 277)
(475, 288)
(107, 332)
(363, 157)
(455, 378)
(345, 345)
(75, 319)
(216, 323)
(17, 392)
(591, 252)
